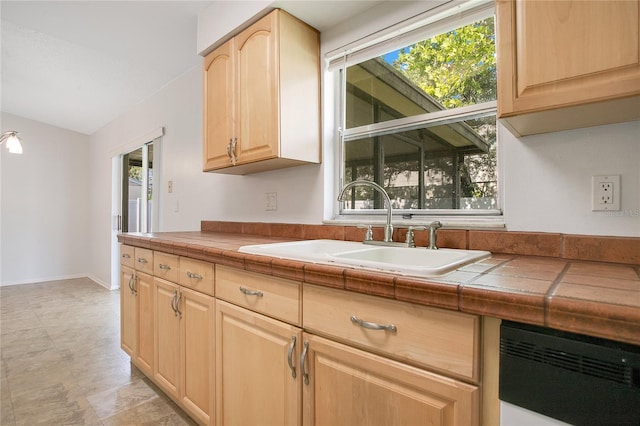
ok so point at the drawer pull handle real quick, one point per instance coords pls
(372, 325)
(192, 275)
(142, 260)
(251, 292)
(292, 346)
(126, 256)
(163, 266)
(303, 358)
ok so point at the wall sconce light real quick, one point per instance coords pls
(13, 141)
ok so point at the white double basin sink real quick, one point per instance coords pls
(419, 262)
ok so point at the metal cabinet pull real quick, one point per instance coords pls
(142, 260)
(132, 280)
(290, 356)
(192, 275)
(163, 266)
(178, 300)
(233, 150)
(251, 292)
(372, 325)
(303, 358)
(229, 151)
(174, 299)
(126, 256)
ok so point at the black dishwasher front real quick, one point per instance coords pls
(570, 377)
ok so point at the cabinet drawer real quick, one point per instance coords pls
(165, 266)
(144, 260)
(438, 339)
(274, 297)
(196, 274)
(126, 256)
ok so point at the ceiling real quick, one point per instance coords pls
(81, 64)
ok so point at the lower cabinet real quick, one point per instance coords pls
(185, 348)
(258, 376)
(348, 386)
(254, 356)
(137, 317)
(128, 312)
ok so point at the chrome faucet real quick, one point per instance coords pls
(388, 229)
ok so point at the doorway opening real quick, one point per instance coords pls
(135, 205)
(137, 190)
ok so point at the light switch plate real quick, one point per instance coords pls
(270, 201)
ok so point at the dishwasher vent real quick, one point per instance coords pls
(577, 379)
(619, 372)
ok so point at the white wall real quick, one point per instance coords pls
(547, 180)
(44, 208)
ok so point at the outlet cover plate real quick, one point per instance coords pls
(605, 193)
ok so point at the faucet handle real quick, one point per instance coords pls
(409, 238)
(368, 235)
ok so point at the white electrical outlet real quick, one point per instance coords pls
(605, 193)
(270, 201)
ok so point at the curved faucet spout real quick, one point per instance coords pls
(388, 229)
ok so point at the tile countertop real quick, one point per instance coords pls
(594, 298)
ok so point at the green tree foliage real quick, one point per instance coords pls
(457, 68)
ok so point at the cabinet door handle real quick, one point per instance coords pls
(192, 275)
(178, 300)
(229, 151)
(248, 292)
(126, 256)
(132, 280)
(233, 150)
(142, 260)
(174, 299)
(163, 266)
(290, 356)
(373, 326)
(303, 358)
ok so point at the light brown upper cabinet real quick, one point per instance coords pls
(567, 64)
(262, 98)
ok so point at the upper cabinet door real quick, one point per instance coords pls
(218, 107)
(256, 54)
(563, 56)
(262, 98)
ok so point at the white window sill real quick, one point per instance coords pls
(451, 222)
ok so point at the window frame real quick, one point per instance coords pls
(437, 22)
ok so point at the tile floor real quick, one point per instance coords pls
(62, 363)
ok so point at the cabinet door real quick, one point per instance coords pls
(144, 295)
(167, 336)
(198, 354)
(554, 54)
(348, 386)
(218, 107)
(258, 376)
(128, 311)
(256, 53)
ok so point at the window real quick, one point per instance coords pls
(420, 120)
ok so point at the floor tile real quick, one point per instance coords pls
(61, 361)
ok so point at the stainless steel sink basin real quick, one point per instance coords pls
(418, 262)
